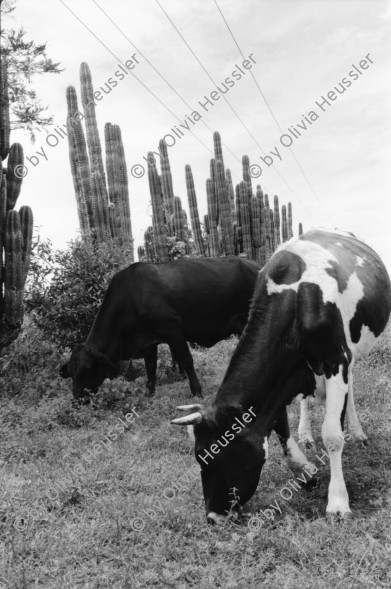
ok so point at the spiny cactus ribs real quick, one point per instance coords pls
(244, 224)
(103, 209)
(16, 228)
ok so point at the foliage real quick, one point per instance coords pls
(176, 249)
(25, 59)
(65, 301)
(40, 269)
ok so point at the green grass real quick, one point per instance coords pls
(133, 517)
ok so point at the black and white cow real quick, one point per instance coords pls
(320, 303)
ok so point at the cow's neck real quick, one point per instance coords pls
(105, 336)
(266, 369)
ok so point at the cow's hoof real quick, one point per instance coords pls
(358, 436)
(310, 484)
(338, 517)
(307, 441)
(197, 394)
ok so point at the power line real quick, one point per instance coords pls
(134, 75)
(230, 106)
(163, 78)
(272, 113)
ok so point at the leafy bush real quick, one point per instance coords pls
(65, 302)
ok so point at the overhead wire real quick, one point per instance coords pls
(163, 78)
(132, 73)
(230, 106)
(272, 114)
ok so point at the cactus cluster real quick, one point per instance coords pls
(238, 221)
(16, 228)
(102, 197)
(170, 225)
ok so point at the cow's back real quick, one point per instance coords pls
(210, 296)
(340, 275)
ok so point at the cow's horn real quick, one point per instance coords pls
(191, 419)
(194, 407)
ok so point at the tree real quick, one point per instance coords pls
(25, 59)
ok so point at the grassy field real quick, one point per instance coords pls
(109, 496)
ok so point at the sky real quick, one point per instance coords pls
(336, 171)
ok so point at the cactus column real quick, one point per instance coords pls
(104, 212)
(159, 226)
(194, 216)
(15, 228)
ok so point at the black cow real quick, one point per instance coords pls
(320, 303)
(200, 300)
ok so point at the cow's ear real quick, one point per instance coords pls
(64, 372)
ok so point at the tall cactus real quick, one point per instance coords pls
(179, 226)
(117, 179)
(100, 207)
(160, 228)
(141, 253)
(224, 205)
(284, 224)
(272, 231)
(256, 227)
(14, 271)
(15, 227)
(231, 194)
(26, 223)
(245, 221)
(93, 141)
(80, 166)
(5, 127)
(247, 175)
(149, 244)
(217, 148)
(194, 216)
(289, 228)
(277, 221)
(96, 202)
(167, 186)
(14, 178)
(268, 237)
(212, 216)
(262, 222)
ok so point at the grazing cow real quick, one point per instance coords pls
(320, 302)
(200, 300)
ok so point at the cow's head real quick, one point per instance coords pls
(231, 457)
(88, 369)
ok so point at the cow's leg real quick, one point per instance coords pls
(150, 359)
(354, 427)
(297, 461)
(175, 365)
(336, 397)
(305, 431)
(182, 355)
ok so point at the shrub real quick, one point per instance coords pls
(65, 303)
